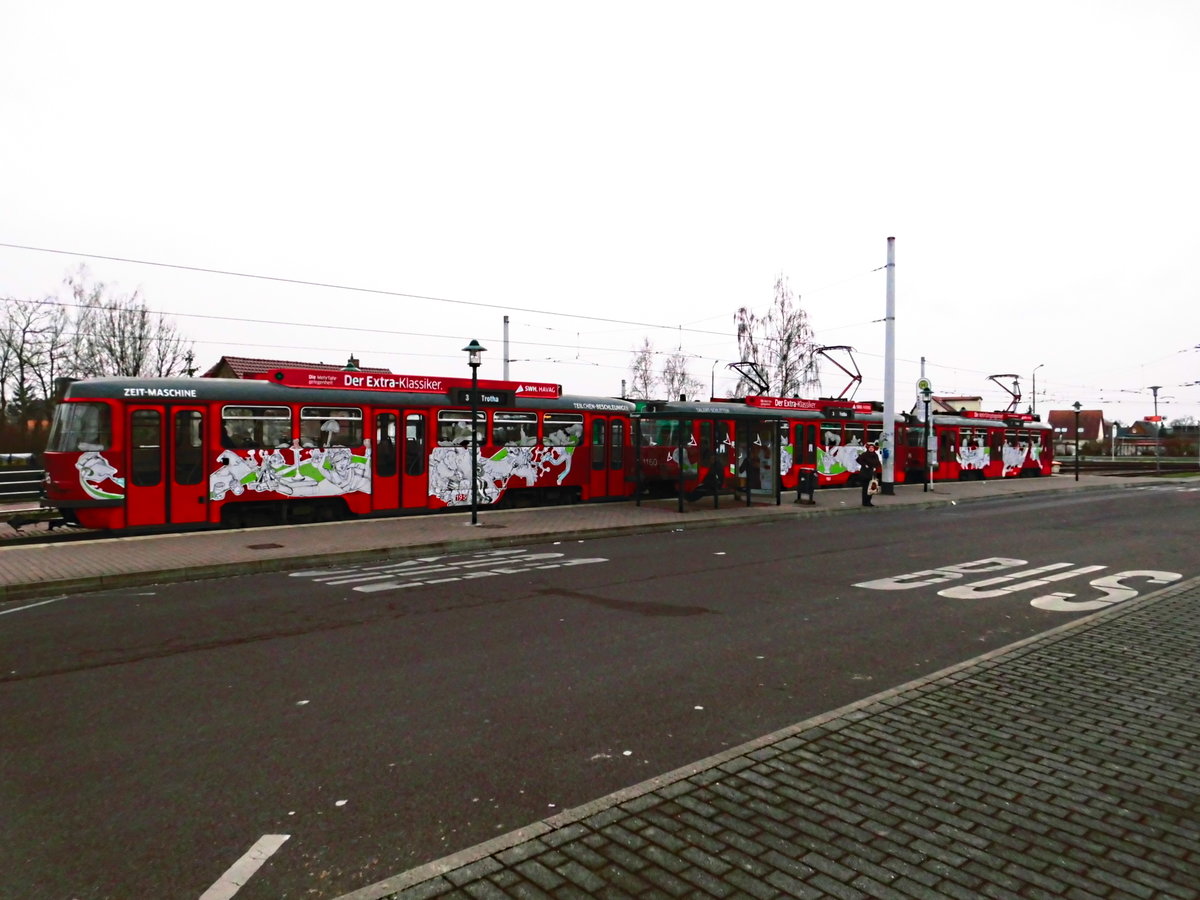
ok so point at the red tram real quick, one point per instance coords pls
(309, 445)
(299, 445)
(780, 437)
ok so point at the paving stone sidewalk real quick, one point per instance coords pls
(1065, 766)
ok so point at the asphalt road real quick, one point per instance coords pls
(383, 717)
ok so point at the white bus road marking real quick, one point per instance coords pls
(239, 873)
(436, 570)
(398, 585)
(1112, 587)
(5, 612)
(429, 570)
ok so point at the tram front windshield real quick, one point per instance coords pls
(80, 426)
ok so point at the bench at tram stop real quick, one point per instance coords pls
(806, 487)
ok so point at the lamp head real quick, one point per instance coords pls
(474, 351)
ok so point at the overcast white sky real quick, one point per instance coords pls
(649, 163)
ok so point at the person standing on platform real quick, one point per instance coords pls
(869, 468)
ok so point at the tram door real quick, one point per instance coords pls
(401, 460)
(166, 466)
(610, 444)
(805, 446)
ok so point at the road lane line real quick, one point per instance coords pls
(5, 612)
(239, 873)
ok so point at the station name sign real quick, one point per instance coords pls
(420, 384)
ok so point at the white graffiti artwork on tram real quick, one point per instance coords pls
(1113, 588)
(450, 471)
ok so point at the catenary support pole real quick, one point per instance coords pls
(887, 443)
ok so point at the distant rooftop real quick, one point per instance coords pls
(244, 367)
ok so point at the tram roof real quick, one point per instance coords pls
(262, 391)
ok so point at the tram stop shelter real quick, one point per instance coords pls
(726, 448)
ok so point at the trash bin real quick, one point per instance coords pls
(806, 487)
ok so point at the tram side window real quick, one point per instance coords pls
(948, 445)
(1026, 441)
(330, 426)
(562, 430)
(599, 435)
(454, 427)
(514, 429)
(995, 444)
(80, 426)
(667, 433)
(145, 444)
(189, 466)
(385, 445)
(414, 444)
(616, 458)
(256, 427)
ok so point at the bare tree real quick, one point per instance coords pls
(780, 345)
(119, 335)
(642, 380)
(677, 381)
(34, 350)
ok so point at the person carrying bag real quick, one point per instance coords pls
(869, 468)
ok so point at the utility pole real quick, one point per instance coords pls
(887, 439)
(1077, 406)
(1157, 431)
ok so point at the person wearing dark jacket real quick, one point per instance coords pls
(869, 468)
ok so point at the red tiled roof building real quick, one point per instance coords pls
(246, 367)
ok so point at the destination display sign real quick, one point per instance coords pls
(1000, 416)
(386, 381)
(802, 404)
(484, 397)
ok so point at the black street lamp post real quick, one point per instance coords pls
(1157, 431)
(1077, 405)
(474, 353)
(926, 396)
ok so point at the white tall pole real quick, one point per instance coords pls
(888, 439)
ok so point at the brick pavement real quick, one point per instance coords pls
(1064, 766)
